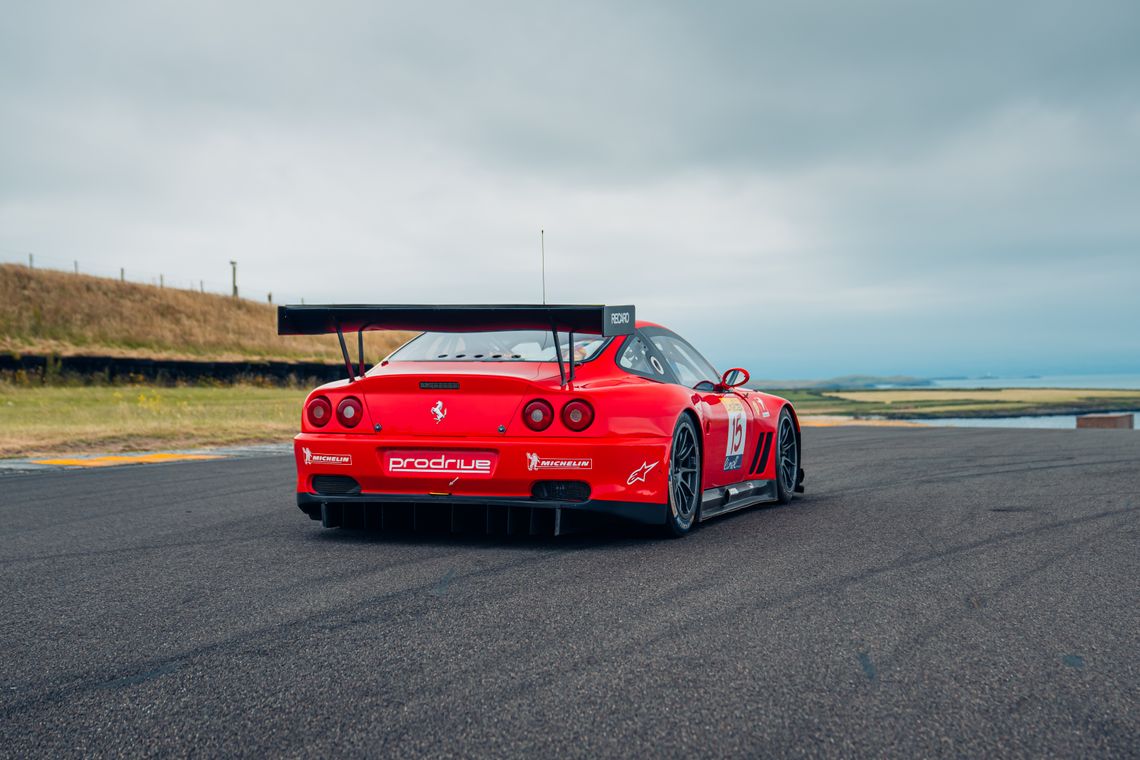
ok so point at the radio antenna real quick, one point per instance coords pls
(542, 243)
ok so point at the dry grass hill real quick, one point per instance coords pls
(44, 312)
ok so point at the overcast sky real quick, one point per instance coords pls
(805, 189)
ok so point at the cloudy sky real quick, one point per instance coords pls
(806, 189)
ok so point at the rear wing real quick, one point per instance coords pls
(606, 321)
(317, 320)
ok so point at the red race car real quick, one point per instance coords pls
(527, 418)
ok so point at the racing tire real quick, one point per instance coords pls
(684, 479)
(787, 458)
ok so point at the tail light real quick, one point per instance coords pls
(538, 414)
(349, 411)
(319, 411)
(577, 415)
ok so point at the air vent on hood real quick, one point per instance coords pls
(427, 385)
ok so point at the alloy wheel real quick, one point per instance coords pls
(789, 464)
(685, 474)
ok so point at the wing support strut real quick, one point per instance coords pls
(344, 353)
(571, 357)
(360, 349)
(558, 353)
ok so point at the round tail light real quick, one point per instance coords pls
(349, 411)
(577, 415)
(319, 411)
(538, 414)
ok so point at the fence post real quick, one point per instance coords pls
(77, 267)
(122, 274)
(270, 297)
(31, 261)
(161, 281)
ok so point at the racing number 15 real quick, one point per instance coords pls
(737, 434)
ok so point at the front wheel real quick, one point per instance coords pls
(787, 458)
(684, 479)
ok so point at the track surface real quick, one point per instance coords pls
(938, 592)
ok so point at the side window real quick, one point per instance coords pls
(636, 358)
(688, 365)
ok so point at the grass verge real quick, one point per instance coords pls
(46, 420)
(37, 421)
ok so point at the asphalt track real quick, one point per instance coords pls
(937, 593)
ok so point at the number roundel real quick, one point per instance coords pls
(737, 434)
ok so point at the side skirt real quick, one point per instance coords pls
(719, 501)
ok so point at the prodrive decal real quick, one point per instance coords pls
(474, 464)
(535, 462)
(311, 458)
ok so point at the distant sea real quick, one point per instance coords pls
(1045, 421)
(1120, 381)
(1061, 421)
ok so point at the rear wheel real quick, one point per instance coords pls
(787, 457)
(684, 479)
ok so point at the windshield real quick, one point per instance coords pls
(503, 345)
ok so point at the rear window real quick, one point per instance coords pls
(501, 346)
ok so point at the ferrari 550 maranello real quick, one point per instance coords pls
(523, 419)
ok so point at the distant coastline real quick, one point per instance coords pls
(932, 403)
(1106, 381)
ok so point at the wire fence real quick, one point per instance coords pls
(172, 280)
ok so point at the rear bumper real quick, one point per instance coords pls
(619, 471)
(513, 514)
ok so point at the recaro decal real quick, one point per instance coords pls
(617, 320)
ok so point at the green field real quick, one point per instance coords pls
(47, 420)
(37, 420)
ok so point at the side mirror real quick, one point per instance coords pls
(734, 378)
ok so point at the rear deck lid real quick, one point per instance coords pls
(454, 399)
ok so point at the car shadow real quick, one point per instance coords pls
(591, 531)
(600, 535)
